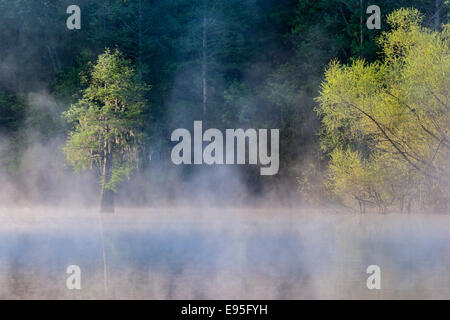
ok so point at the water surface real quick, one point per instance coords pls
(222, 254)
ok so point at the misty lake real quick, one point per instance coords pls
(222, 254)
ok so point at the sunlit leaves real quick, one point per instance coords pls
(107, 119)
(389, 119)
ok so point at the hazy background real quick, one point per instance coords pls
(264, 61)
(219, 232)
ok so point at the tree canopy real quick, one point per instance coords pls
(386, 124)
(233, 64)
(107, 122)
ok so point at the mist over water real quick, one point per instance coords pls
(203, 237)
(187, 232)
(211, 253)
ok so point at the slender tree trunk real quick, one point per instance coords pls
(437, 14)
(361, 26)
(139, 57)
(54, 58)
(204, 61)
(105, 15)
(53, 54)
(106, 195)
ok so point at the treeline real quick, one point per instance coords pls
(234, 63)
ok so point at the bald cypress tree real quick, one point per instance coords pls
(106, 124)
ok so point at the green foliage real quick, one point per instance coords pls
(12, 112)
(390, 119)
(107, 120)
(263, 59)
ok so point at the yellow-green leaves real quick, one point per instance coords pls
(390, 118)
(106, 120)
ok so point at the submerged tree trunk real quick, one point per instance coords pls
(106, 195)
(107, 201)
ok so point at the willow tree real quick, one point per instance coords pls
(386, 124)
(106, 124)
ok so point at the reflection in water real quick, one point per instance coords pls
(223, 254)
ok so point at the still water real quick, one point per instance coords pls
(222, 254)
